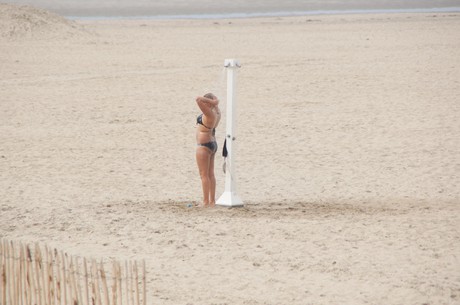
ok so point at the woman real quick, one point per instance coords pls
(207, 145)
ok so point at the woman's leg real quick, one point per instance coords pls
(212, 181)
(203, 156)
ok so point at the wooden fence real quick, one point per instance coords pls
(32, 275)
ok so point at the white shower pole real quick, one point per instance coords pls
(229, 197)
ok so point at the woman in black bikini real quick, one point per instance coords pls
(207, 145)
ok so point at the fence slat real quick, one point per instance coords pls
(93, 285)
(70, 284)
(17, 274)
(3, 272)
(144, 283)
(21, 274)
(85, 267)
(29, 280)
(114, 284)
(120, 288)
(64, 277)
(104, 284)
(21, 290)
(57, 274)
(51, 278)
(38, 277)
(127, 293)
(11, 273)
(15, 277)
(98, 287)
(136, 274)
(28, 291)
(6, 269)
(77, 279)
(8, 273)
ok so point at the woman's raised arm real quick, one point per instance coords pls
(206, 104)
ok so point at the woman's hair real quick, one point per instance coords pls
(210, 95)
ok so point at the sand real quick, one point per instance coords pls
(348, 154)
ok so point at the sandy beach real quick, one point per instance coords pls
(347, 140)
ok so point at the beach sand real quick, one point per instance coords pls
(348, 153)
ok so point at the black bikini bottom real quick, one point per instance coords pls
(211, 145)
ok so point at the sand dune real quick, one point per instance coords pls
(18, 22)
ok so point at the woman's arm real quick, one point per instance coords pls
(212, 102)
(206, 104)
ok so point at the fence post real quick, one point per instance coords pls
(114, 284)
(37, 275)
(29, 281)
(136, 281)
(73, 286)
(77, 271)
(12, 270)
(3, 261)
(64, 276)
(85, 269)
(104, 284)
(120, 283)
(20, 279)
(144, 283)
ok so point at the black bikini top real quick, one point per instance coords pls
(199, 120)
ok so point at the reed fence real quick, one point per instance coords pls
(37, 275)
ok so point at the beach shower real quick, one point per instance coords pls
(229, 197)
